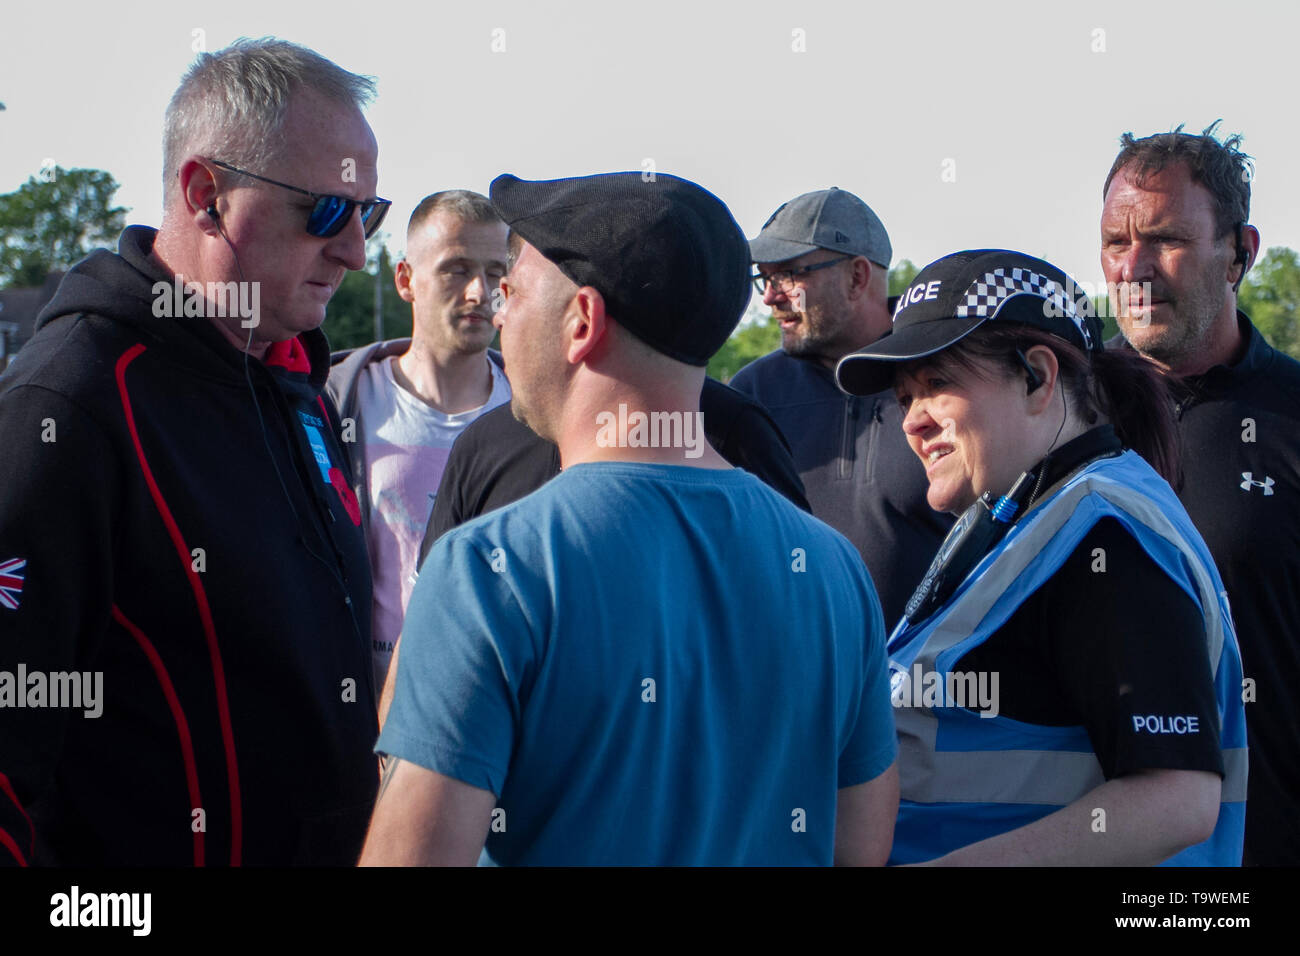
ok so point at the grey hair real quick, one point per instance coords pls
(231, 104)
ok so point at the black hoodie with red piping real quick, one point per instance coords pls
(196, 554)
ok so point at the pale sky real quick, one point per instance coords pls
(1010, 98)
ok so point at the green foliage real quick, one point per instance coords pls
(1271, 297)
(901, 276)
(52, 221)
(350, 315)
(1109, 327)
(757, 334)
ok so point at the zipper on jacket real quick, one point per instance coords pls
(846, 440)
(308, 470)
(1182, 406)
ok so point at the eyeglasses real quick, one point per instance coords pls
(783, 280)
(331, 213)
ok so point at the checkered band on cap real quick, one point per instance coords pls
(986, 296)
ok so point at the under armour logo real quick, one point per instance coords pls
(1250, 482)
(840, 237)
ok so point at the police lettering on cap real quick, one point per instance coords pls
(955, 295)
(665, 254)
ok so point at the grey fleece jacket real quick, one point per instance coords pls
(345, 371)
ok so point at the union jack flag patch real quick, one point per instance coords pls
(11, 582)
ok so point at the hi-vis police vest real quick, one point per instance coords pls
(966, 777)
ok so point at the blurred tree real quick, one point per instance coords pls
(1271, 297)
(1105, 312)
(53, 220)
(757, 334)
(901, 276)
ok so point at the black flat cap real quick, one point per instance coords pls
(665, 253)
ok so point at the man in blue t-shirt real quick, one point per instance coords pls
(653, 659)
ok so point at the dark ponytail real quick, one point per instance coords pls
(1133, 395)
(1120, 385)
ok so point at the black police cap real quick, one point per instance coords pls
(953, 296)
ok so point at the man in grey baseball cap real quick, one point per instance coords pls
(822, 265)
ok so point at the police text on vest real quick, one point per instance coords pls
(1164, 724)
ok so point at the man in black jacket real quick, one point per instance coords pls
(1176, 244)
(180, 537)
(823, 264)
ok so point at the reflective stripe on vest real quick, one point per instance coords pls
(965, 777)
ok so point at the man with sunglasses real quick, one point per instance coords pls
(822, 266)
(179, 538)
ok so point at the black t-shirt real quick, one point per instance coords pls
(1108, 638)
(1096, 648)
(1240, 429)
(498, 459)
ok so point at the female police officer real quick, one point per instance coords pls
(1066, 680)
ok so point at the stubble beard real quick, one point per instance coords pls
(810, 339)
(522, 415)
(468, 339)
(529, 412)
(1174, 341)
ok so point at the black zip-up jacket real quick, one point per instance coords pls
(208, 564)
(861, 477)
(1240, 431)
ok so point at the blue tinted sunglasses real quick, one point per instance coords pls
(331, 213)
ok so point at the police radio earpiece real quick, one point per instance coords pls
(1242, 255)
(1031, 377)
(261, 421)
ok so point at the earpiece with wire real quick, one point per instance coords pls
(266, 440)
(1243, 257)
(1032, 378)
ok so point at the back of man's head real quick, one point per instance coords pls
(231, 104)
(1220, 167)
(666, 255)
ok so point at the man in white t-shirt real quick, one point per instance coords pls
(408, 399)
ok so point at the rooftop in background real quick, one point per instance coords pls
(18, 311)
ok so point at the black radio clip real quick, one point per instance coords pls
(974, 535)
